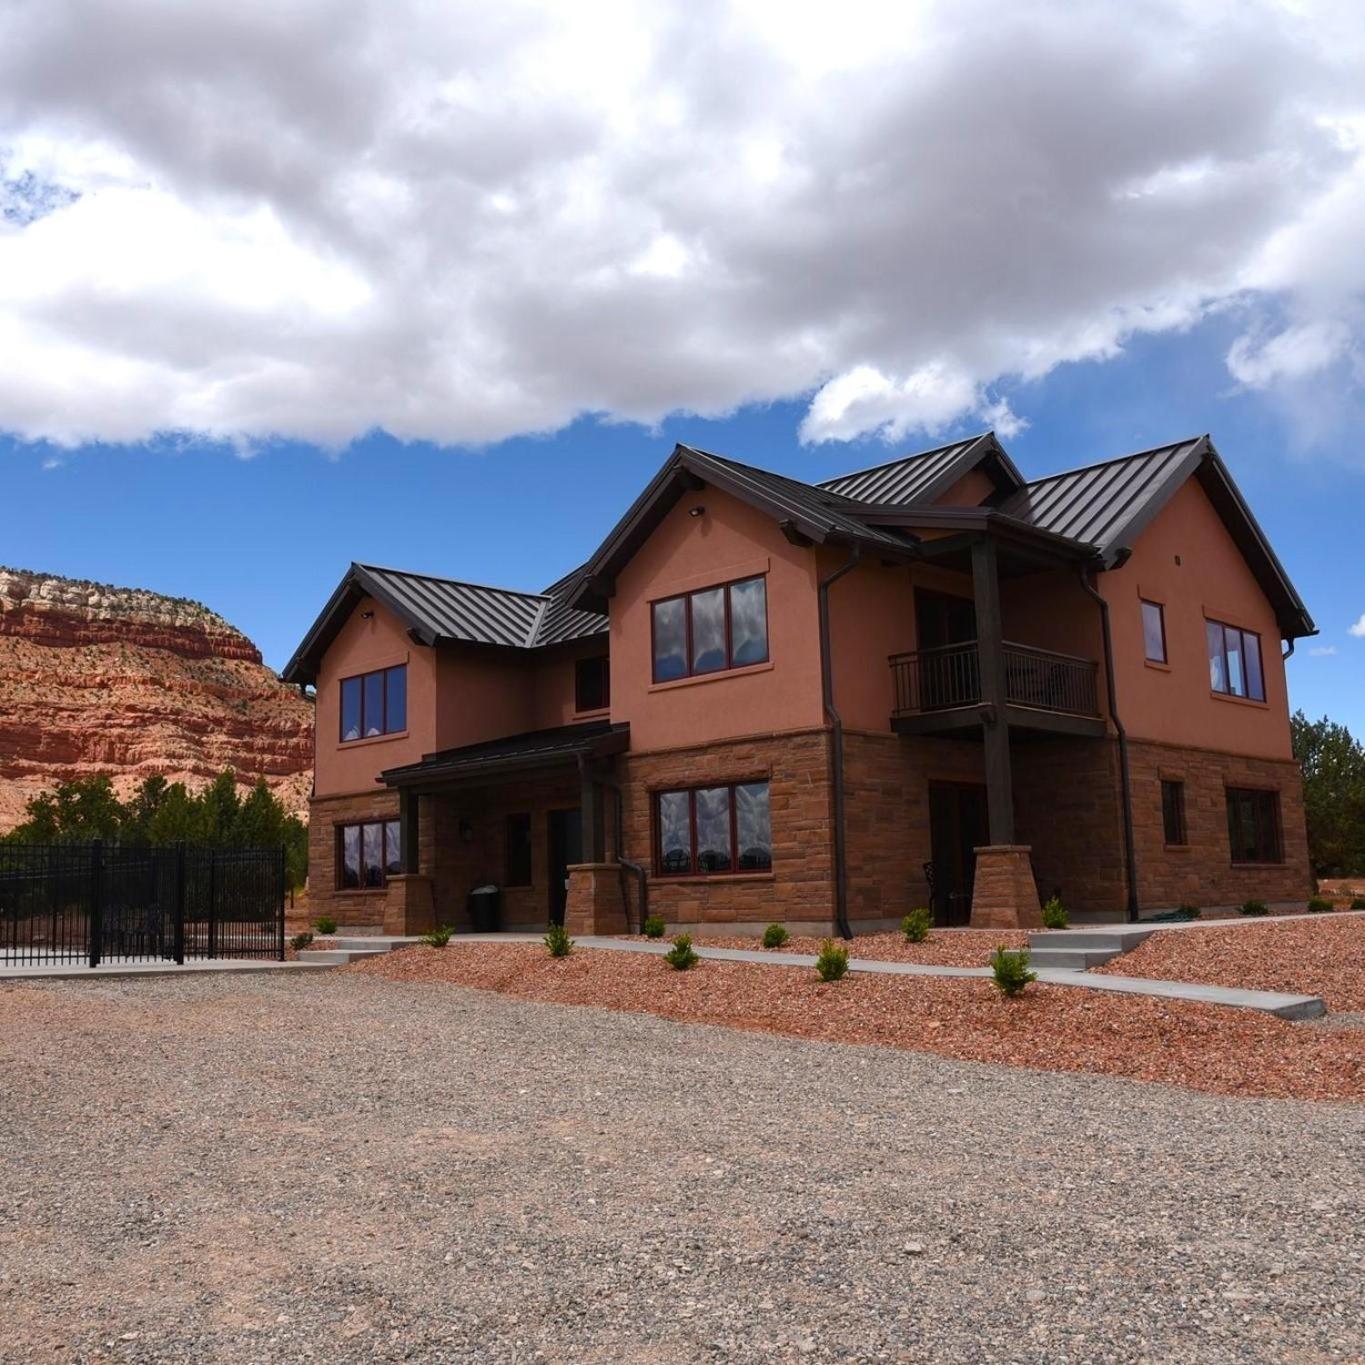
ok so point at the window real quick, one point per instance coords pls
(518, 850)
(1173, 811)
(1254, 825)
(592, 684)
(1234, 661)
(369, 854)
(375, 703)
(711, 630)
(1154, 631)
(714, 829)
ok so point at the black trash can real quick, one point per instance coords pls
(485, 909)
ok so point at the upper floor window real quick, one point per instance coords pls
(711, 630)
(592, 684)
(714, 829)
(375, 703)
(1254, 825)
(1235, 661)
(1154, 631)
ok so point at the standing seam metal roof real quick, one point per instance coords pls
(900, 482)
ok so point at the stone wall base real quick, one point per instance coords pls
(1003, 893)
(595, 904)
(409, 907)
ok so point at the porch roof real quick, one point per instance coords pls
(562, 745)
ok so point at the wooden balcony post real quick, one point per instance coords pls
(991, 661)
(408, 828)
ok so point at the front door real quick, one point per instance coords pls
(958, 825)
(566, 848)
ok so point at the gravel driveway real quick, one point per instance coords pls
(338, 1168)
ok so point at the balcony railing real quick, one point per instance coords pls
(950, 676)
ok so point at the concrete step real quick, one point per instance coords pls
(365, 943)
(337, 957)
(1073, 960)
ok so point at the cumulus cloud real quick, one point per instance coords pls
(1358, 630)
(1323, 651)
(462, 222)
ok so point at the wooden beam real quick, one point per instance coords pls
(592, 847)
(995, 730)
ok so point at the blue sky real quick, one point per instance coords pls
(264, 539)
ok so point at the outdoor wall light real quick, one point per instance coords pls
(366, 615)
(696, 511)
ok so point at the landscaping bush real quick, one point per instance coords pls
(915, 926)
(1054, 913)
(1011, 970)
(300, 941)
(681, 956)
(1188, 911)
(439, 936)
(1253, 908)
(775, 935)
(654, 926)
(1319, 906)
(1358, 903)
(325, 924)
(557, 941)
(832, 962)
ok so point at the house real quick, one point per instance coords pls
(928, 682)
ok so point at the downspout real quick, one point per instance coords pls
(836, 745)
(1125, 777)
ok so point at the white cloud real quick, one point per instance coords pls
(462, 222)
(1358, 630)
(1323, 651)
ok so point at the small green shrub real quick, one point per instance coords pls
(557, 941)
(300, 941)
(1253, 908)
(325, 924)
(1188, 911)
(681, 956)
(832, 962)
(915, 926)
(1054, 913)
(654, 926)
(1011, 970)
(1358, 903)
(439, 936)
(775, 935)
(1319, 906)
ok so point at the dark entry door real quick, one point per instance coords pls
(957, 825)
(566, 848)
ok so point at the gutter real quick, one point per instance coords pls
(836, 745)
(1125, 776)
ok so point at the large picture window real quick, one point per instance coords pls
(1254, 825)
(368, 854)
(714, 829)
(711, 630)
(1234, 661)
(374, 703)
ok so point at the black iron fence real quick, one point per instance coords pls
(950, 676)
(96, 902)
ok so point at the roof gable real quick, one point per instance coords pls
(923, 477)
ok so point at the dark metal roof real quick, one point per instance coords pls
(536, 749)
(446, 611)
(924, 476)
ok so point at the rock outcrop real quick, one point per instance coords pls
(95, 679)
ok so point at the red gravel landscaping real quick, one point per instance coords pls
(1203, 1047)
(1318, 956)
(950, 948)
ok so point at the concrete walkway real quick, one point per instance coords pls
(75, 971)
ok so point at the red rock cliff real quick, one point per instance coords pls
(96, 679)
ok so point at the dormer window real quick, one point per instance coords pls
(592, 684)
(711, 630)
(374, 704)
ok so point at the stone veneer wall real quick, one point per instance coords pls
(348, 908)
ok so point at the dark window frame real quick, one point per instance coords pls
(686, 599)
(604, 660)
(1267, 834)
(384, 826)
(1146, 602)
(1226, 690)
(1173, 813)
(734, 870)
(512, 873)
(361, 679)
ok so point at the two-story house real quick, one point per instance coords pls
(929, 682)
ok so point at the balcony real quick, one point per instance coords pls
(940, 690)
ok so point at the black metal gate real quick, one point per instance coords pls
(96, 902)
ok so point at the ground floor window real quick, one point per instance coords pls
(714, 829)
(1254, 825)
(1173, 811)
(368, 854)
(519, 850)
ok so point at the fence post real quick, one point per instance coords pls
(180, 904)
(213, 902)
(282, 889)
(95, 919)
